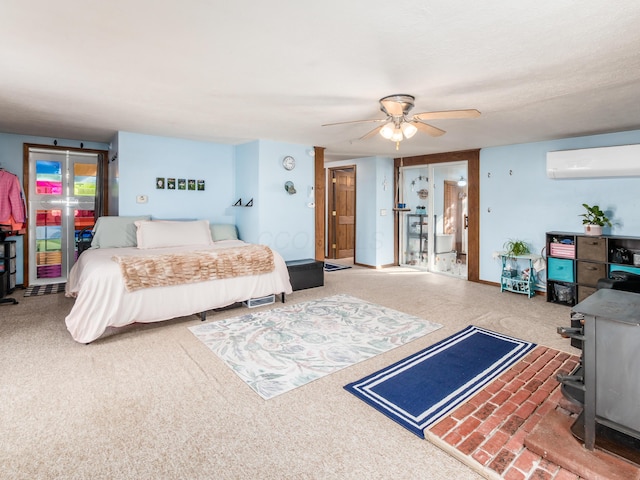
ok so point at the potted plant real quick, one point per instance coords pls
(594, 220)
(514, 248)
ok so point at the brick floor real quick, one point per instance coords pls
(490, 429)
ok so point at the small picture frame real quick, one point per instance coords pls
(191, 184)
(200, 185)
(182, 184)
(160, 183)
(171, 183)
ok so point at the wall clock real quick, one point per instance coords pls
(289, 162)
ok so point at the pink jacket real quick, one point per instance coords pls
(11, 202)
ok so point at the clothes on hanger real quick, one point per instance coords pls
(12, 204)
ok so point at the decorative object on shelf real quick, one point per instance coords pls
(288, 186)
(514, 248)
(594, 220)
(288, 162)
(239, 203)
(423, 193)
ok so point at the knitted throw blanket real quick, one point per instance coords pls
(192, 267)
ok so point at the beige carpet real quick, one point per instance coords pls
(152, 402)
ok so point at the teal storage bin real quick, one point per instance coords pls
(560, 269)
(624, 268)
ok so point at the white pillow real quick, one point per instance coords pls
(161, 233)
(116, 232)
(223, 231)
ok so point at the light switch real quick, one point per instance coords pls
(383, 212)
(142, 199)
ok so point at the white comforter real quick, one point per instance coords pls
(102, 300)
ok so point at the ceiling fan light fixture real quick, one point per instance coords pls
(387, 130)
(408, 129)
(397, 135)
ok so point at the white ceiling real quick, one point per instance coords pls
(236, 71)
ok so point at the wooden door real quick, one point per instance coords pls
(342, 212)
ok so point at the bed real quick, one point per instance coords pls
(109, 291)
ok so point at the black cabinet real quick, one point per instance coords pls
(575, 263)
(7, 270)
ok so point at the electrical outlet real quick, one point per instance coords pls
(142, 199)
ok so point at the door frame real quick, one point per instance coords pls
(103, 164)
(331, 205)
(472, 157)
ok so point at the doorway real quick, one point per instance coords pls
(472, 219)
(341, 213)
(434, 228)
(63, 195)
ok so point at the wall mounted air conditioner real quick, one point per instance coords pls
(619, 161)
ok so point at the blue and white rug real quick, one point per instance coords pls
(277, 350)
(422, 388)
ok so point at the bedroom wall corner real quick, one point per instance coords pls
(247, 187)
(283, 221)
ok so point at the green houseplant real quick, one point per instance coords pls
(513, 248)
(594, 219)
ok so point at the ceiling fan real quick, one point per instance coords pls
(398, 125)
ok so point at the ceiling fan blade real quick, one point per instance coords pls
(355, 121)
(371, 133)
(426, 128)
(470, 113)
(392, 107)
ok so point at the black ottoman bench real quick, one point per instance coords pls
(306, 273)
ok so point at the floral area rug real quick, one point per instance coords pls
(275, 351)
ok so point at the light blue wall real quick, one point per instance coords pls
(518, 201)
(143, 158)
(374, 232)
(247, 187)
(253, 170)
(384, 203)
(287, 223)
(11, 159)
